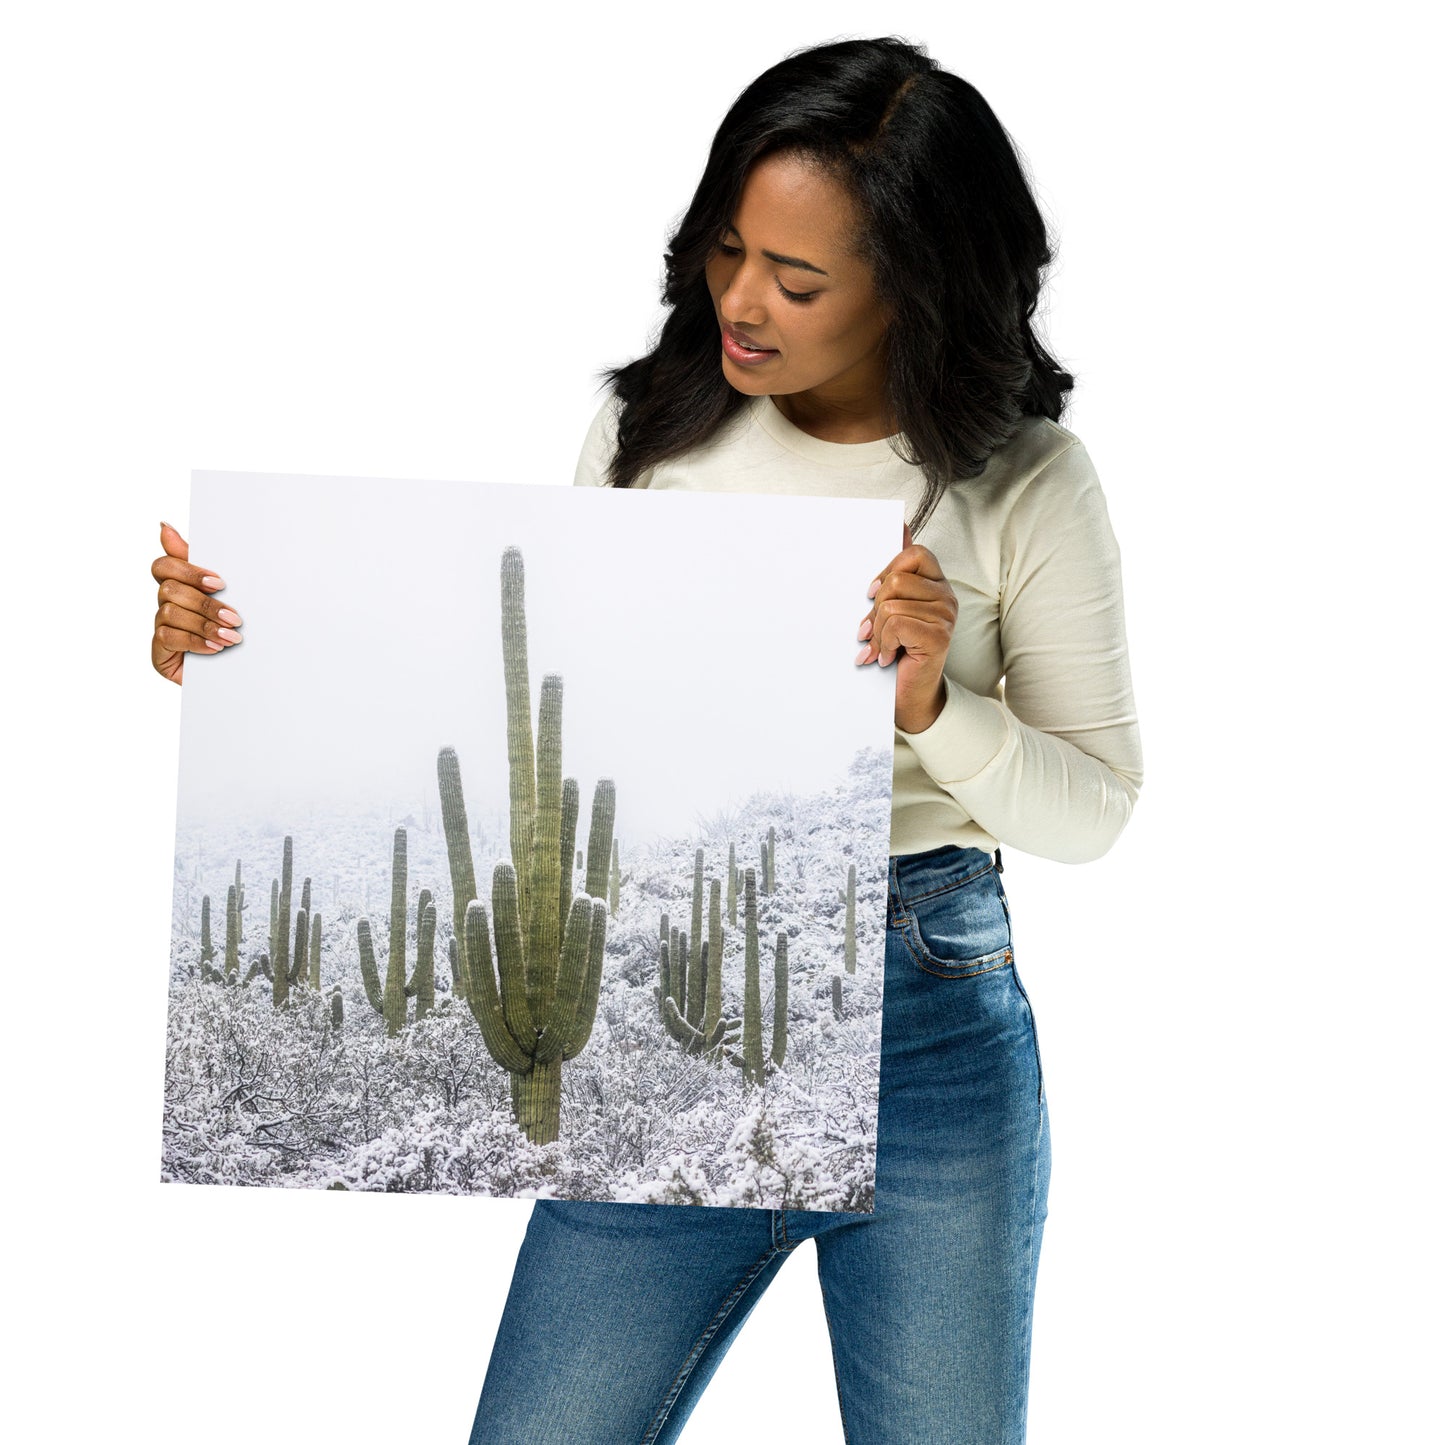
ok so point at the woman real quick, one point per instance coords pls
(850, 297)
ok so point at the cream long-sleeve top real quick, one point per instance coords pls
(1037, 746)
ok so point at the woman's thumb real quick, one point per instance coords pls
(173, 544)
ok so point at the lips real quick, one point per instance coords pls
(741, 350)
(743, 339)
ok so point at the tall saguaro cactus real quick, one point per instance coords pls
(281, 930)
(850, 922)
(732, 885)
(389, 999)
(536, 1004)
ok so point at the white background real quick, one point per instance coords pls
(366, 239)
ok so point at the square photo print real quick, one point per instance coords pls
(533, 843)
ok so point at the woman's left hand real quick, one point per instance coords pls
(912, 619)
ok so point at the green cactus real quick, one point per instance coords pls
(750, 1058)
(850, 921)
(280, 951)
(712, 1006)
(715, 1031)
(780, 1001)
(615, 882)
(536, 1004)
(336, 1008)
(389, 999)
(838, 996)
(732, 885)
(692, 1004)
(752, 1054)
(233, 930)
(314, 953)
(771, 886)
(208, 952)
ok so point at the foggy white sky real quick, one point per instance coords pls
(706, 642)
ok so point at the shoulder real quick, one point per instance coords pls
(599, 445)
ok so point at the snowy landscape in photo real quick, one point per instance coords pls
(533, 843)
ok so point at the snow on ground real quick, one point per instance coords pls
(261, 1096)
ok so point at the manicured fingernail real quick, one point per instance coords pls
(212, 582)
(229, 634)
(877, 583)
(861, 656)
(230, 618)
(214, 646)
(866, 628)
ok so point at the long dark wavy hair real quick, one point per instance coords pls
(948, 224)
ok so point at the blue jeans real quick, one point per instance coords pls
(618, 1314)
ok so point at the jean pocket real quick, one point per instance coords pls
(962, 929)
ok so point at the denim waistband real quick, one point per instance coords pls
(912, 876)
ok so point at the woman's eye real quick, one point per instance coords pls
(796, 295)
(729, 250)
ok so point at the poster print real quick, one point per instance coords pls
(533, 843)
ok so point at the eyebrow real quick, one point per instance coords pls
(783, 260)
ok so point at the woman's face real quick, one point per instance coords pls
(790, 234)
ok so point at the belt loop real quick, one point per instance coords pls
(998, 859)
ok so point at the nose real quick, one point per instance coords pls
(741, 302)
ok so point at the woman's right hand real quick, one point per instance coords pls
(188, 619)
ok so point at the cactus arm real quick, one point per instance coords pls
(850, 938)
(369, 977)
(297, 975)
(425, 975)
(482, 993)
(571, 985)
(423, 901)
(541, 920)
(521, 764)
(599, 836)
(511, 964)
(587, 1008)
(459, 847)
(570, 806)
(712, 1007)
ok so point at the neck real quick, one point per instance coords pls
(849, 420)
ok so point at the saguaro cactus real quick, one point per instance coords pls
(280, 951)
(712, 1031)
(838, 996)
(208, 952)
(616, 878)
(233, 929)
(535, 1006)
(750, 1057)
(692, 1004)
(850, 921)
(780, 1000)
(389, 1000)
(732, 885)
(314, 953)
